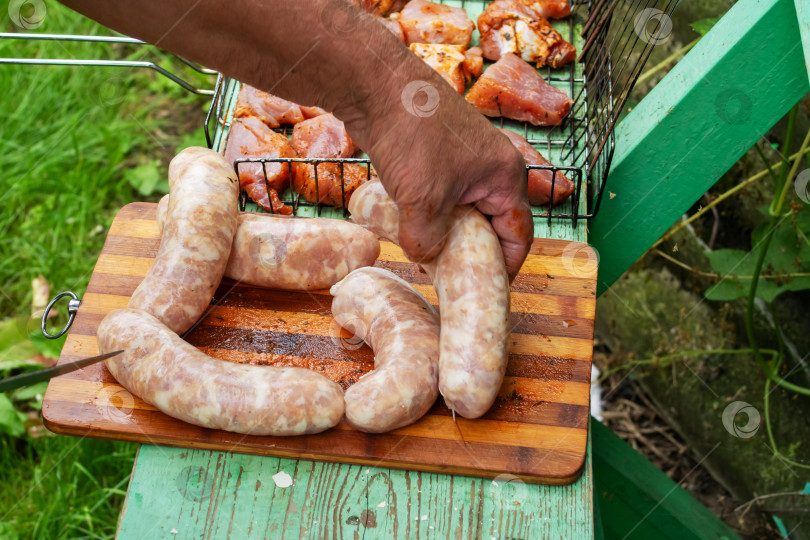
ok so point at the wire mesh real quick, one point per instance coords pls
(614, 39)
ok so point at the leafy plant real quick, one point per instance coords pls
(780, 246)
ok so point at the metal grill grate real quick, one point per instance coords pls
(614, 39)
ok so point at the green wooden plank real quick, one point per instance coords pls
(181, 493)
(638, 501)
(729, 89)
(803, 16)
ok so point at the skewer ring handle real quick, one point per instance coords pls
(73, 307)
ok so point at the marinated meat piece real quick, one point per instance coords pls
(272, 110)
(427, 22)
(395, 28)
(513, 89)
(323, 136)
(520, 27)
(311, 112)
(452, 62)
(250, 138)
(540, 180)
(328, 181)
(380, 7)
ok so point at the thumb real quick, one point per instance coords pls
(422, 231)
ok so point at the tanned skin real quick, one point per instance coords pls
(332, 54)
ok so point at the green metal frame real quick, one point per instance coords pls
(736, 83)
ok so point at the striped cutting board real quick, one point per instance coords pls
(537, 429)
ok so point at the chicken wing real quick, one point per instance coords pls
(513, 89)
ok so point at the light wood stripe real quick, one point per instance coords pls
(135, 228)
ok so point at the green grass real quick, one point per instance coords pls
(62, 487)
(76, 144)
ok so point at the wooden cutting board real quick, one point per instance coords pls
(537, 430)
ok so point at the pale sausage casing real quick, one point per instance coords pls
(177, 378)
(196, 241)
(295, 253)
(402, 329)
(472, 285)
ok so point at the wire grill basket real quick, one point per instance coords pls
(614, 39)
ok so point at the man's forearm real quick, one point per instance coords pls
(326, 53)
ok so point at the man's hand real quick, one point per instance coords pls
(443, 156)
(431, 148)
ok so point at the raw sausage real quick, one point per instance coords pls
(165, 371)
(402, 329)
(196, 241)
(470, 279)
(296, 253)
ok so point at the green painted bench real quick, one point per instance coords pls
(736, 83)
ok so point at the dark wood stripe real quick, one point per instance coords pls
(131, 246)
(112, 284)
(510, 409)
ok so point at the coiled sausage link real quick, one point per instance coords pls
(402, 329)
(196, 241)
(294, 253)
(165, 371)
(470, 279)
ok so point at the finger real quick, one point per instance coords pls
(422, 233)
(515, 230)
